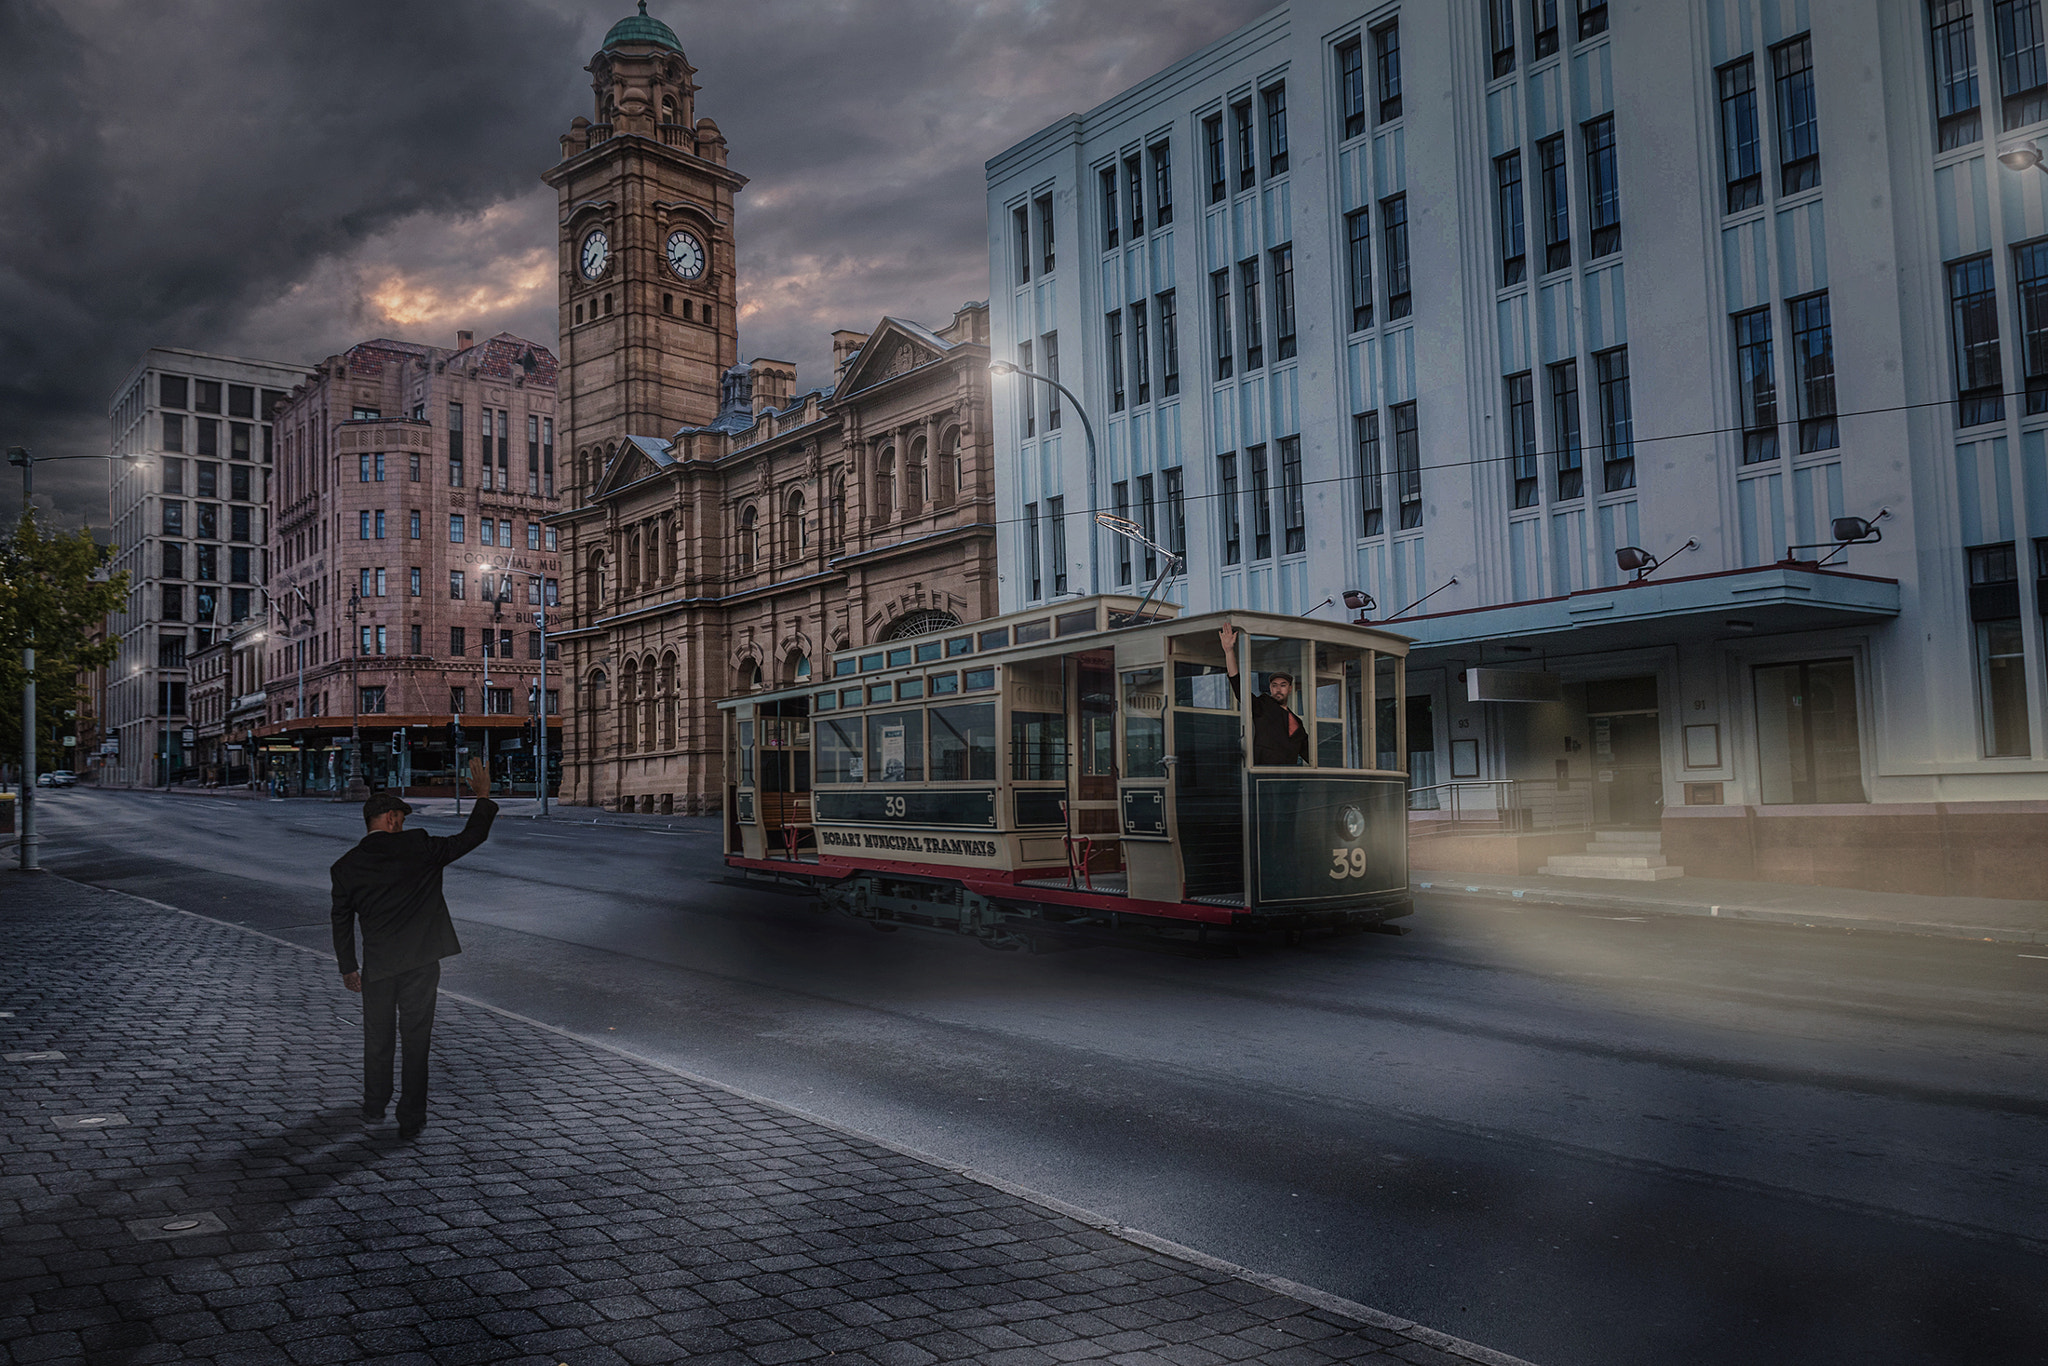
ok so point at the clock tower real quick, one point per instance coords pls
(648, 306)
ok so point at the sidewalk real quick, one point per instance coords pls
(1846, 908)
(183, 1176)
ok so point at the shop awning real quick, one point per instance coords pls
(1768, 600)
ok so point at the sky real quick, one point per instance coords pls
(282, 179)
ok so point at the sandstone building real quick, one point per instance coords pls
(723, 530)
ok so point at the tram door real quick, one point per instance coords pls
(1208, 769)
(783, 777)
(1093, 796)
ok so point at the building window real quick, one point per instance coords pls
(1500, 27)
(1162, 183)
(1169, 345)
(1603, 189)
(239, 524)
(1756, 386)
(1027, 394)
(173, 560)
(1262, 503)
(1522, 444)
(1507, 206)
(2022, 61)
(171, 602)
(1407, 465)
(547, 457)
(1741, 145)
(1032, 557)
(1050, 343)
(486, 531)
(1241, 136)
(458, 646)
(1134, 196)
(1141, 352)
(238, 482)
(1394, 254)
(1386, 71)
(1564, 429)
(1813, 373)
(1371, 497)
(174, 518)
(1956, 101)
(1254, 322)
(1274, 99)
(1212, 144)
(1056, 515)
(2030, 278)
(455, 445)
(1120, 499)
(1798, 123)
(1020, 230)
(455, 528)
(1617, 420)
(362, 526)
(174, 432)
(1176, 513)
(1113, 323)
(1045, 232)
(1973, 320)
(372, 698)
(1110, 221)
(1808, 747)
(1283, 301)
(1543, 23)
(208, 485)
(1358, 267)
(413, 581)
(532, 454)
(1293, 515)
(208, 568)
(1351, 85)
(1144, 510)
(1219, 298)
(1557, 227)
(1233, 524)
(455, 584)
(1592, 17)
(170, 390)
(2001, 664)
(208, 432)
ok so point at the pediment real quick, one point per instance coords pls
(639, 457)
(894, 348)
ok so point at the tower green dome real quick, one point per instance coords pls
(639, 28)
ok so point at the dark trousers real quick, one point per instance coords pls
(396, 1008)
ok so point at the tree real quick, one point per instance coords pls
(51, 600)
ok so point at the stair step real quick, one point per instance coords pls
(1607, 861)
(1617, 874)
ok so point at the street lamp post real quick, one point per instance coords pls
(355, 691)
(1003, 367)
(540, 620)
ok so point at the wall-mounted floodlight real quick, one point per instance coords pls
(1125, 527)
(1846, 531)
(1361, 602)
(1632, 559)
(2022, 156)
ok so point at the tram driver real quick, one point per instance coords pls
(1278, 736)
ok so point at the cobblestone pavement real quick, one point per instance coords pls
(184, 1177)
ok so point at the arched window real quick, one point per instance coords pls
(647, 735)
(668, 108)
(652, 573)
(885, 485)
(594, 578)
(920, 624)
(750, 539)
(630, 562)
(797, 668)
(668, 701)
(597, 693)
(836, 512)
(750, 674)
(795, 537)
(953, 460)
(916, 487)
(629, 692)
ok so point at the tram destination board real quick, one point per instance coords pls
(958, 809)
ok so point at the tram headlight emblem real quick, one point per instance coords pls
(1353, 821)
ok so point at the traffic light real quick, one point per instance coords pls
(397, 742)
(454, 736)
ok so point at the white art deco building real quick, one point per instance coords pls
(1450, 301)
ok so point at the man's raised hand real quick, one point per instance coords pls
(479, 778)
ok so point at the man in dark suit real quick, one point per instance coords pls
(391, 883)
(1278, 736)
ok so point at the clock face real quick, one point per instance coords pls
(685, 255)
(597, 254)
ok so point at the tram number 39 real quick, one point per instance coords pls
(892, 806)
(1346, 863)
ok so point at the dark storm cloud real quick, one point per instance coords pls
(281, 179)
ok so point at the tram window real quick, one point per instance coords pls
(746, 754)
(978, 680)
(841, 668)
(896, 747)
(964, 743)
(1030, 631)
(945, 683)
(1205, 686)
(927, 651)
(900, 657)
(1340, 705)
(996, 639)
(909, 688)
(1386, 716)
(826, 701)
(850, 697)
(1144, 723)
(1077, 623)
(838, 750)
(869, 663)
(959, 645)
(1038, 745)
(879, 692)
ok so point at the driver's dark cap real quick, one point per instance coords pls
(1280, 673)
(380, 803)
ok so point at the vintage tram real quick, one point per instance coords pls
(1084, 771)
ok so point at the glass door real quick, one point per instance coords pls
(1808, 747)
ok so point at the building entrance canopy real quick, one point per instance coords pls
(1773, 599)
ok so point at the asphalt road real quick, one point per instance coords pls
(1577, 1138)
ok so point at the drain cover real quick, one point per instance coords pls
(107, 1120)
(190, 1224)
(35, 1057)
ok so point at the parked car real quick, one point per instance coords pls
(46, 780)
(63, 777)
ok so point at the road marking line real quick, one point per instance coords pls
(2034, 955)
